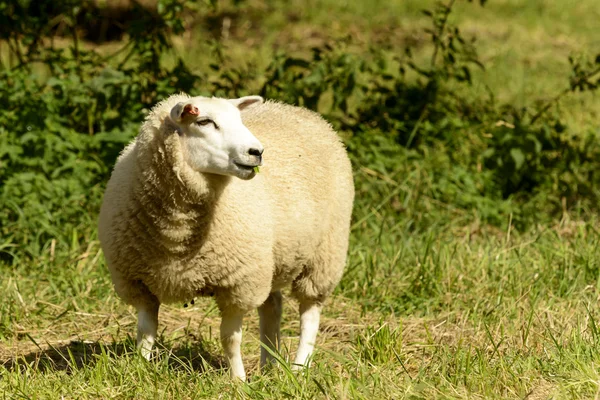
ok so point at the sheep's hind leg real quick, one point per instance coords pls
(270, 321)
(231, 339)
(310, 313)
(147, 327)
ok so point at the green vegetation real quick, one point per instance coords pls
(473, 131)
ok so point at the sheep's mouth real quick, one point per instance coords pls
(247, 167)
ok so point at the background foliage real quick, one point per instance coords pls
(69, 109)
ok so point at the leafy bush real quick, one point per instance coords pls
(68, 111)
(60, 135)
(489, 153)
(532, 150)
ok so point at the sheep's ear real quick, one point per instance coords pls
(247, 101)
(183, 110)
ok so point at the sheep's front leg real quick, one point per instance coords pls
(231, 339)
(270, 321)
(147, 327)
(310, 313)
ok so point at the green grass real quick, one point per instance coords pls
(434, 304)
(437, 314)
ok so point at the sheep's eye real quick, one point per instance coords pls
(206, 121)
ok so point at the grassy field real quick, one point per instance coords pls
(434, 303)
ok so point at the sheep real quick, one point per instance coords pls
(186, 214)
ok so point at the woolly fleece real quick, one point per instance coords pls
(170, 233)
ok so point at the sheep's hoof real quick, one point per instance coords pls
(145, 353)
(298, 368)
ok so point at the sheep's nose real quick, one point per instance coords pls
(256, 152)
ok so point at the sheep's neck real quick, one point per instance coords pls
(176, 203)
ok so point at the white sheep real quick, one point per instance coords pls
(175, 222)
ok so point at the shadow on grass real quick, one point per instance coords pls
(81, 354)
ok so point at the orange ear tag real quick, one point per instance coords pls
(189, 110)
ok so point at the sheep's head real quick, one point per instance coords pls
(214, 138)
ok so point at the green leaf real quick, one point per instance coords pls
(518, 157)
